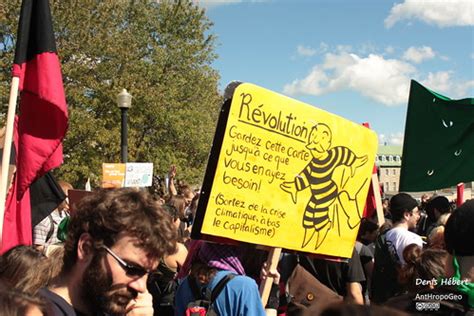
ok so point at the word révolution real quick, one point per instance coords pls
(280, 122)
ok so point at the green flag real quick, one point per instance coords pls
(438, 150)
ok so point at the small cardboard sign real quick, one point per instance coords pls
(130, 174)
(113, 175)
(139, 174)
(286, 174)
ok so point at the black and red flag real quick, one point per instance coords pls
(42, 120)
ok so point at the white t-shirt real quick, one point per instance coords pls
(398, 238)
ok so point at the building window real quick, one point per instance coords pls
(387, 172)
(383, 158)
(394, 171)
(394, 186)
(390, 158)
(397, 158)
(385, 187)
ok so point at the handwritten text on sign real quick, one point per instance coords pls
(289, 175)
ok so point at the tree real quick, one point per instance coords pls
(160, 51)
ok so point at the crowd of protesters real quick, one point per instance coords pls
(126, 252)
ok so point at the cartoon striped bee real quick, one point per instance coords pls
(318, 176)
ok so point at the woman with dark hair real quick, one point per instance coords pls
(177, 204)
(422, 265)
(423, 276)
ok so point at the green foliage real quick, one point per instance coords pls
(161, 52)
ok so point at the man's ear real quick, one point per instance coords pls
(406, 215)
(85, 249)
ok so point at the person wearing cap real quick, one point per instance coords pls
(389, 247)
(405, 215)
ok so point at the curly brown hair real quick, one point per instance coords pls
(108, 212)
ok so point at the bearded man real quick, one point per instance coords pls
(115, 239)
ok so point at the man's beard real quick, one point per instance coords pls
(99, 293)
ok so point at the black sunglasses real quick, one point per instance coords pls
(130, 269)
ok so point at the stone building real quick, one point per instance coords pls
(389, 162)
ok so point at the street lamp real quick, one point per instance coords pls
(124, 102)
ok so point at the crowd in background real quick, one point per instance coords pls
(126, 252)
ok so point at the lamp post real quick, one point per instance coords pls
(124, 102)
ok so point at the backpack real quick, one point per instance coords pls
(51, 228)
(203, 304)
(162, 285)
(384, 277)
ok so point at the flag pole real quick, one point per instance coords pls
(460, 194)
(7, 150)
(272, 263)
(378, 199)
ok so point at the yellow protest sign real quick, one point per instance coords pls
(283, 173)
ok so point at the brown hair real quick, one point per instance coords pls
(25, 269)
(179, 203)
(427, 265)
(15, 303)
(366, 226)
(436, 238)
(171, 210)
(185, 189)
(107, 213)
(55, 254)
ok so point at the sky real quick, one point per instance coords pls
(351, 58)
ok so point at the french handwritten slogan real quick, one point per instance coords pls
(289, 175)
